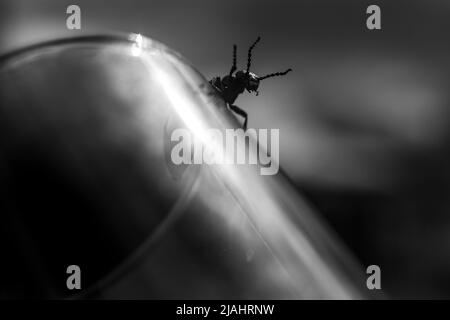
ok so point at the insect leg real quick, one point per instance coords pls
(240, 112)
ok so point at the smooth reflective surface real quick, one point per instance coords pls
(87, 179)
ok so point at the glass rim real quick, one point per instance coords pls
(118, 37)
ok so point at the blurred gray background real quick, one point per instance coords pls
(363, 118)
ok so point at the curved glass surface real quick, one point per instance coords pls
(87, 178)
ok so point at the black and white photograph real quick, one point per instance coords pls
(205, 152)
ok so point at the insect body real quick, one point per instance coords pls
(232, 85)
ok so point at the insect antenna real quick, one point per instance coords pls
(276, 74)
(249, 55)
(233, 67)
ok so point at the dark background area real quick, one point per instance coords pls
(363, 118)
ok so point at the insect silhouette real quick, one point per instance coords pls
(232, 85)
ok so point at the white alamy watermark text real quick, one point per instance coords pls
(234, 146)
